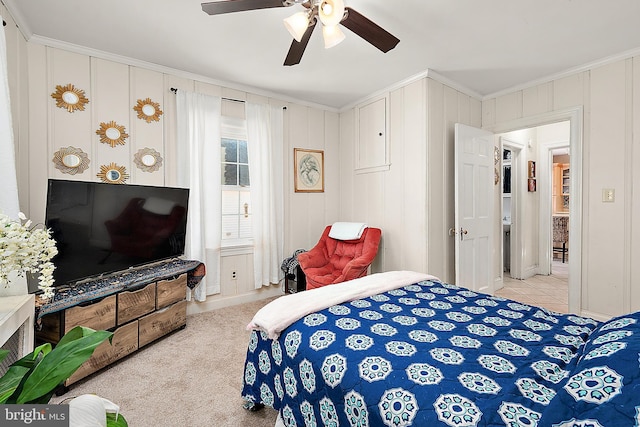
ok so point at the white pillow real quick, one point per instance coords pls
(347, 230)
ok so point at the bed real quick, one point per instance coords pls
(402, 348)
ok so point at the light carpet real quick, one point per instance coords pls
(192, 377)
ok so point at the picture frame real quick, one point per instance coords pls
(531, 185)
(308, 168)
(532, 169)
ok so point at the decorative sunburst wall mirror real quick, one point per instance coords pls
(112, 133)
(113, 174)
(148, 110)
(147, 159)
(71, 160)
(70, 98)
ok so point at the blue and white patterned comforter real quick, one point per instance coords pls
(434, 354)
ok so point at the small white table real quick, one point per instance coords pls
(18, 312)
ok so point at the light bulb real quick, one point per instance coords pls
(332, 35)
(297, 25)
(331, 12)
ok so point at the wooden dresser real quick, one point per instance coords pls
(137, 315)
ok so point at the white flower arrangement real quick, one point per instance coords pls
(26, 249)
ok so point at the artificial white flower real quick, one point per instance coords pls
(26, 249)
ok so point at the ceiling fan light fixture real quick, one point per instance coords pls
(331, 12)
(332, 35)
(297, 24)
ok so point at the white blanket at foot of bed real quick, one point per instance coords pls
(276, 316)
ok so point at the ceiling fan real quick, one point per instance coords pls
(301, 24)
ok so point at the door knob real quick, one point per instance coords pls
(462, 233)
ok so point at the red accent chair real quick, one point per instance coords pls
(333, 261)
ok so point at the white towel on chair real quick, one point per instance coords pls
(347, 230)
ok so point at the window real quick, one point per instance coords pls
(236, 195)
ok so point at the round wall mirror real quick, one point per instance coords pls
(112, 133)
(69, 98)
(71, 160)
(113, 174)
(147, 159)
(148, 110)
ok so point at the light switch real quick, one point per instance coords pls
(608, 195)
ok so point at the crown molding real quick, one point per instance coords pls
(428, 73)
(454, 85)
(95, 53)
(566, 73)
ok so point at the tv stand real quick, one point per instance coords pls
(138, 305)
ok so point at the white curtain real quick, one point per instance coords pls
(198, 129)
(9, 195)
(265, 146)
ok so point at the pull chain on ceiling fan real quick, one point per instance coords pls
(300, 25)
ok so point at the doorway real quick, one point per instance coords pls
(560, 213)
(544, 203)
(511, 206)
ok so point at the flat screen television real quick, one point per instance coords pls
(103, 228)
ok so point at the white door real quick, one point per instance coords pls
(474, 200)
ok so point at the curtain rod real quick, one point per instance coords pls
(175, 90)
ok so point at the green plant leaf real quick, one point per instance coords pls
(3, 354)
(59, 364)
(11, 381)
(34, 357)
(113, 422)
(74, 334)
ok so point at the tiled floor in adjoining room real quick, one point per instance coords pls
(550, 292)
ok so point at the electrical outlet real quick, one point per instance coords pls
(233, 275)
(608, 195)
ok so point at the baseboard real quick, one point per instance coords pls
(215, 302)
(529, 272)
(498, 283)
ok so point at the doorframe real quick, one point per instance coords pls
(575, 116)
(517, 189)
(545, 254)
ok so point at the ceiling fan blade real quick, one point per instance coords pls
(369, 30)
(297, 48)
(228, 6)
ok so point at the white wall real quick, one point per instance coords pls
(412, 202)
(609, 96)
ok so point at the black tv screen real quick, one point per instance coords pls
(103, 228)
